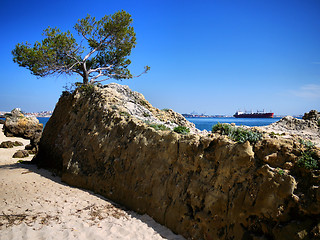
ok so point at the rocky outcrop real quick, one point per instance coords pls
(307, 128)
(203, 186)
(313, 115)
(17, 125)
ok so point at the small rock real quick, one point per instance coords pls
(17, 143)
(21, 154)
(7, 144)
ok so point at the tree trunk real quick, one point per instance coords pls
(85, 74)
(85, 79)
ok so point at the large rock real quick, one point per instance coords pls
(17, 125)
(313, 115)
(307, 128)
(201, 186)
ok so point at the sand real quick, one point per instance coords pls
(35, 204)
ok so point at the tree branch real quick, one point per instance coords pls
(100, 69)
(95, 77)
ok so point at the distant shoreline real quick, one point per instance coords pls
(228, 116)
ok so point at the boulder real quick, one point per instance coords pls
(6, 144)
(17, 125)
(203, 186)
(21, 154)
(9, 144)
(313, 115)
(2, 121)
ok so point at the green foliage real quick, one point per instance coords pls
(237, 134)
(126, 114)
(159, 127)
(143, 103)
(280, 171)
(146, 114)
(182, 130)
(53, 55)
(273, 134)
(165, 109)
(114, 107)
(107, 46)
(86, 88)
(308, 159)
(308, 144)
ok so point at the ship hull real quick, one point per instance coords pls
(254, 115)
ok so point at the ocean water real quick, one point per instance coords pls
(43, 120)
(207, 123)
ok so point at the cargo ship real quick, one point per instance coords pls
(258, 114)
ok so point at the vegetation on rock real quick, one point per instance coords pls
(108, 43)
(182, 130)
(237, 134)
(160, 127)
(308, 159)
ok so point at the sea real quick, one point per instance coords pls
(207, 123)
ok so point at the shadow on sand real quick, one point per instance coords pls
(30, 167)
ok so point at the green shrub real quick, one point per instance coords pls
(182, 130)
(126, 114)
(308, 144)
(273, 134)
(307, 160)
(87, 88)
(308, 157)
(237, 134)
(146, 114)
(280, 171)
(159, 127)
(143, 103)
(114, 107)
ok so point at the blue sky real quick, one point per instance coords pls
(212, 57)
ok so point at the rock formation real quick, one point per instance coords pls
(203, 186)
(313, 115)
(307, 128)
(20, 154)
(9, 144)
(17, 125)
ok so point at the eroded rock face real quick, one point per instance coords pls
(200, 186)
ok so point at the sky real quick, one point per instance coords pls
(206, 56)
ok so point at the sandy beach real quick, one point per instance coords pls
(35, 204)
